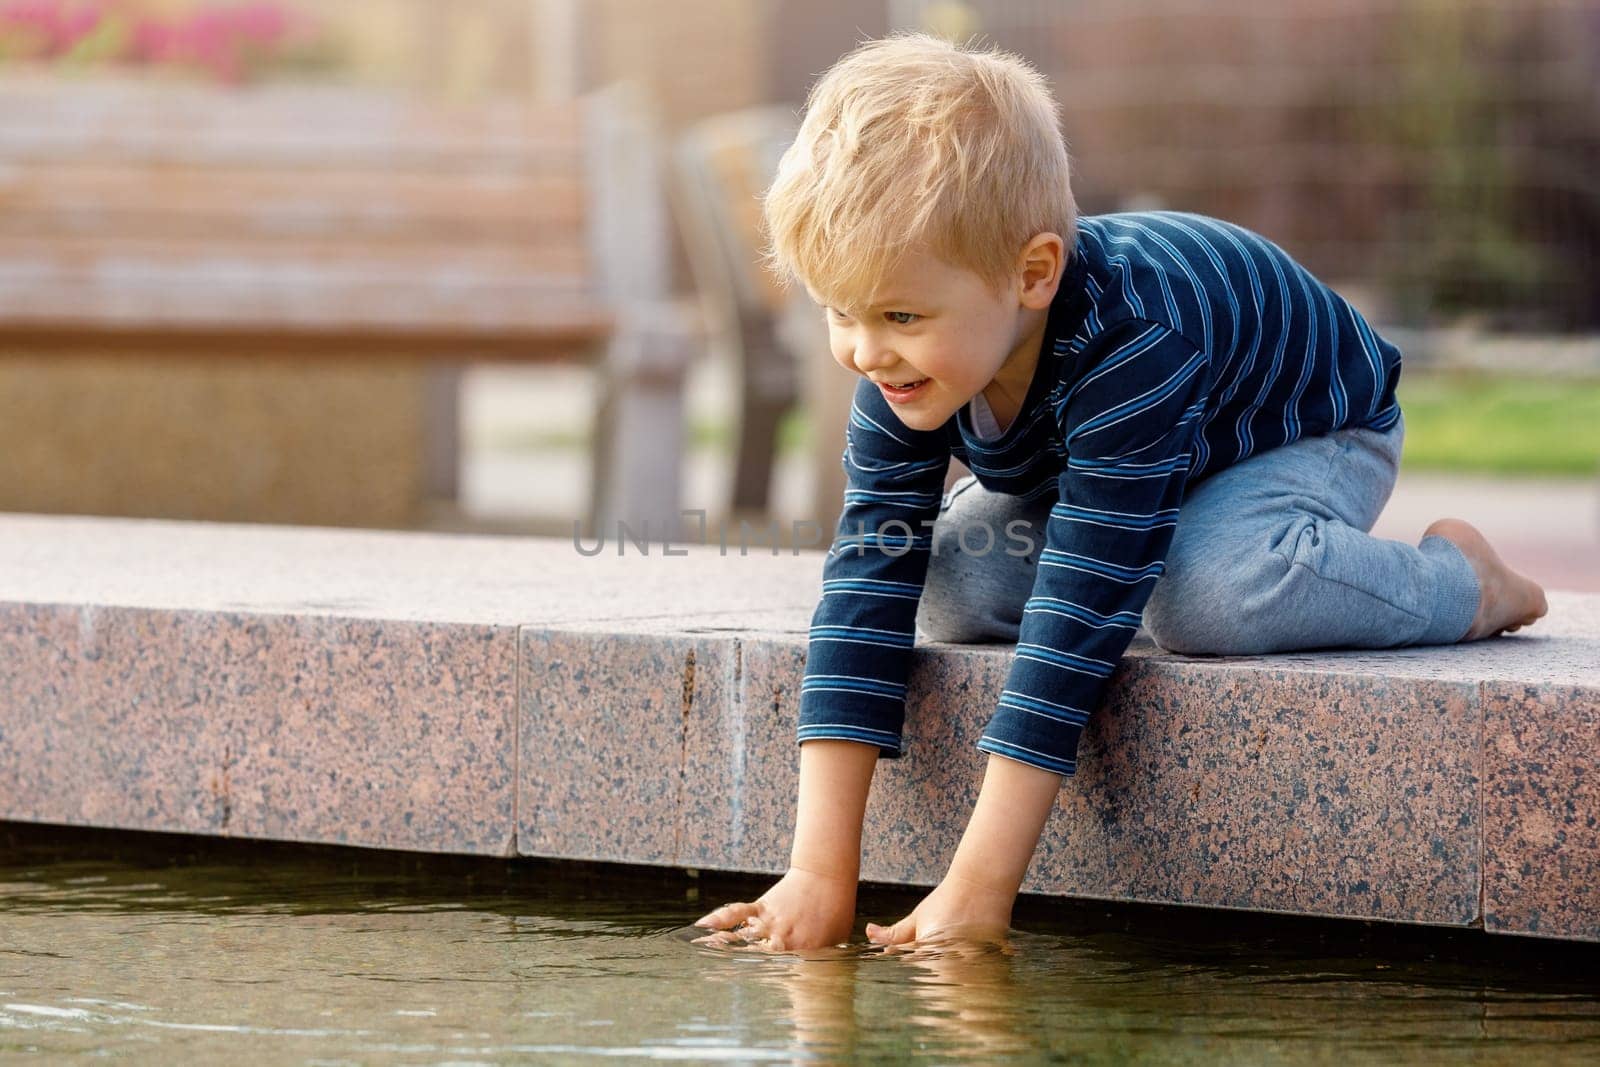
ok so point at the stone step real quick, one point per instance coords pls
(511, 695)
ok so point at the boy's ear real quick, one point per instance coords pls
(1040, 266)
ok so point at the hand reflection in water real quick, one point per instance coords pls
(967, 992)
(962, 989)
(964, 992)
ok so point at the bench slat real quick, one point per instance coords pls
(337, 286)
(130, 201)
(48, 93)
(564, 333)
(273, 126)
(447, 153)
(271, 260)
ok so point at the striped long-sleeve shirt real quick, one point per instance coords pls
(1176, 346)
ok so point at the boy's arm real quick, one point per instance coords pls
(974, 900)
(858, 655)
(998, 845)
(835, 777)
(814, 904)
(852, 695)
(1129, 425)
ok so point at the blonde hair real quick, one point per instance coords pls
(910, 141)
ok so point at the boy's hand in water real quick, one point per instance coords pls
(804, 910)
(973, 903)
(956, 911)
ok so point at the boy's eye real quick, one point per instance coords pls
(901, 318)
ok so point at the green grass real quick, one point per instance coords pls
(1475, 423)
(1456, 422)
(794, 433)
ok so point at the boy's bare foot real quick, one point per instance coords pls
(1508, 601)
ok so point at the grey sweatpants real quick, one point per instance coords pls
(1272, 554)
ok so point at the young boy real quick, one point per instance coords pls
(1167, 420)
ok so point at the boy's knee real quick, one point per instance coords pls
(985, 551)
(949, 612)
(1195, 620)
(952, 627)
(1172, 626)
(971, 596)
(1223, 605)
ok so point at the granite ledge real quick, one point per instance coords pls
(406, 691)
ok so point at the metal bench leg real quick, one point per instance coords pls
(757, 452)
(769, 390)
(639, 435)
(441, 471)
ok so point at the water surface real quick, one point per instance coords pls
(159, 948)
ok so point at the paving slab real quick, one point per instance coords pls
(470, 579)
(492, 695)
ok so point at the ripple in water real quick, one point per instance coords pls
(207, 950)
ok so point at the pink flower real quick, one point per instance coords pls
(261, 22)
(222, 40)
(55, 26)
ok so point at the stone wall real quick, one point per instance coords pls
(235, 439)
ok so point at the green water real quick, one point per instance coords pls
(150, 948)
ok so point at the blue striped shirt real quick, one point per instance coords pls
(1176, 346)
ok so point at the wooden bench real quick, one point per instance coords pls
(156, 223)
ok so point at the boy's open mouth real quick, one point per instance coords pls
(899, 391)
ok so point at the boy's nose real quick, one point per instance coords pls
(870, 356)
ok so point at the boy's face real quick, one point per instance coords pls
(941, 326)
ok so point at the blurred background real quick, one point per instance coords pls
(490, 265)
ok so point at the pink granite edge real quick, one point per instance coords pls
(75, 614)
(311, 729)
(1541, 801)
(746, 826)
(603, 737)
